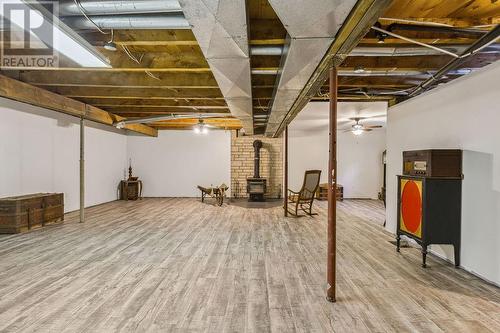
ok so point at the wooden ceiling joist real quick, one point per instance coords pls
(26, 93)
(98, 77)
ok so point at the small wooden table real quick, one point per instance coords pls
(130, 190)
(214, 192)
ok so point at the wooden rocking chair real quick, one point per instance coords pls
(305, 197)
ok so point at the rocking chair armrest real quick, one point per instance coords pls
(293, 191)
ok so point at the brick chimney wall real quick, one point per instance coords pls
(242, 162)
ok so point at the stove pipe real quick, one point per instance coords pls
(257, 145)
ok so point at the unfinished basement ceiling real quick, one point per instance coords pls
(220, 27)
(306, 46)
(258, 72)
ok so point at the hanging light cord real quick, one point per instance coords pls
(82, 10)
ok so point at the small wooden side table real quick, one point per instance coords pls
(130, 189)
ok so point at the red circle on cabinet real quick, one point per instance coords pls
(411, 206)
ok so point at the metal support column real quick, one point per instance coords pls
(332, 184)
(285, 196)
(82, 170)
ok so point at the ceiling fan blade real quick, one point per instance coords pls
(367, 129)
(374, 126)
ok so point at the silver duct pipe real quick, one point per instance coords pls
(355, 72)
(380, 51)
(121, 22)
(118, 7)
(273, 50)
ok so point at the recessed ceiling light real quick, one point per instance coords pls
(359, 69)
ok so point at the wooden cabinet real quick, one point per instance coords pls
(429, 211)
(130, 190)
(22, 213)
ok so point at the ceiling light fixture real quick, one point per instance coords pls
(200, 128)
(380, 35)
(111, 45)
(64, 39)
(357, 131)
(359, 69)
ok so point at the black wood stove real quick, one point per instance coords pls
(256, 186)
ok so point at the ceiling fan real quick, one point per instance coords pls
(358, 129)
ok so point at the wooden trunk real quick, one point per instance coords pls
(322, 192)
(22, 213)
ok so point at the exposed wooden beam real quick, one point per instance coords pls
(97, 77)
(123, 110)
(103, 102)
(275, 41)
(223, 123)
(83, 92)
(26, 93)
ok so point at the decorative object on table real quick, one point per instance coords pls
(22, 213)
(430, 199)
(304, 198)
(218, 193)
(322, 192)
(131, 189)
(256, 185)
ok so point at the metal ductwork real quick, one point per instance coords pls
(306, 46)
(220, 27)
(121, 22)
(273, 50)
(363, 51)
(374, 72)
(436, 29)
(380, 51)
(118, 7)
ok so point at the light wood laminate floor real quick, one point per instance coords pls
(177, 265)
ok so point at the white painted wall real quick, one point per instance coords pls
(39, 152)
(359, 158)
(173, 164)
(463, 114)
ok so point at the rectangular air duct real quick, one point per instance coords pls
(220, 27)
(311, 31)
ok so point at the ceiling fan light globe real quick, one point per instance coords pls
(357, 131)
(204, 130)
(196, 129)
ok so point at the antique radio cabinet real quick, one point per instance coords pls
(430, 199)
(21, 213)
(433, 163)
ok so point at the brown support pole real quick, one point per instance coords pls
(332, 184)
(285, 196)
